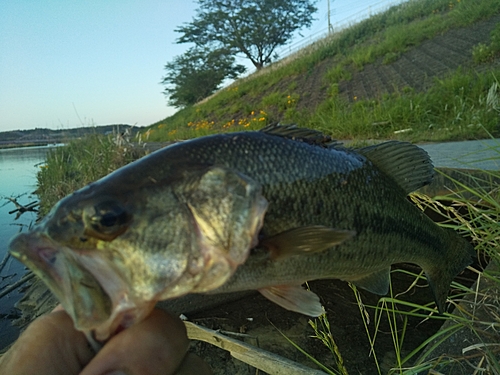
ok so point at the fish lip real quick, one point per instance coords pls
(101, 309)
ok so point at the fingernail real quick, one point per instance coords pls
(58, 308)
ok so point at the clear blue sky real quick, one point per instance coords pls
(64, 63)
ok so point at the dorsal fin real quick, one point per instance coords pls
(409, 165)
(292, 131)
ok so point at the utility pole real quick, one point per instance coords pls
(330, 27)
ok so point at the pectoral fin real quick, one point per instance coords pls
(303, 240)
(376, 282)
(294, 298)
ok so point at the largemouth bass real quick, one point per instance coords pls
(263, 210)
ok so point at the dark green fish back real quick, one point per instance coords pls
(308, 181)
(305, 184)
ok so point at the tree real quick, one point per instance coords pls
(254, 28)
(198, 73)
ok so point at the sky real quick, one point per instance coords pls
(65, 64)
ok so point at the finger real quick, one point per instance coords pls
(156, 345)
(50, 345)
(192, 364)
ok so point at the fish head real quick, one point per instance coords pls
(109, 253)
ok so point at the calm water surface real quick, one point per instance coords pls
(18, 168)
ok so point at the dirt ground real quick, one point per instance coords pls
(262, 321)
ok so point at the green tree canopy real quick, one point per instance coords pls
(254, 28)
(198, 73)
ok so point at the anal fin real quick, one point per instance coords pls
(294, 298)
(375, 282)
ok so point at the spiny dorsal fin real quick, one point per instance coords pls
(292, 131)
(409, 165)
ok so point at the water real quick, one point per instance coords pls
(18, 168)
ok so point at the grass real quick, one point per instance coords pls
(484, 53)
(440, 113)
(79, 163)
(417, 116)
(453, 108)
(480, 204)
(322, 332)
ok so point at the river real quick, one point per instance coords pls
(18, 168)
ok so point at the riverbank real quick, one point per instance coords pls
(48, 137)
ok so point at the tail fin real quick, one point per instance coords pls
(457, 256)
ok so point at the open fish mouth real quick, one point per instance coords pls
(89, 288)
(109, 261)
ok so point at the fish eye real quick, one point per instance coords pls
(107, 221)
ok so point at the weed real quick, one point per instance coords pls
(390, 57)
(309, 356)
(82, 161)
(321, 327)
(337, 73)
(483, 53)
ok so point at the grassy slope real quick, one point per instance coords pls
(455, 107)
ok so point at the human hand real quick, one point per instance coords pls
(51, 346)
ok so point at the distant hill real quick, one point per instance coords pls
(41, 136)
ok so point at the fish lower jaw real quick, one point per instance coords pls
(127, 306)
